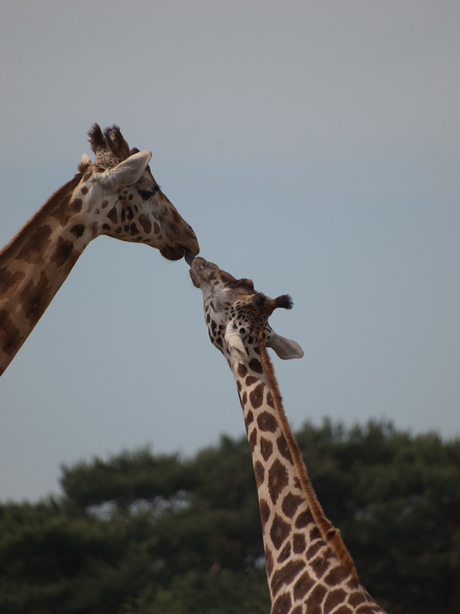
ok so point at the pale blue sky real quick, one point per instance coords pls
(313, 147)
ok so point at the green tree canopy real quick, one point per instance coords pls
(143, 533)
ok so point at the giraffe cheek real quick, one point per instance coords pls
(145, 223)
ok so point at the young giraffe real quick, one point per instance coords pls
(308, 566)
(116, 195)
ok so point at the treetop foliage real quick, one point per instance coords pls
(144, 533)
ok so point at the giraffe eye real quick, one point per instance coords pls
(146, 194)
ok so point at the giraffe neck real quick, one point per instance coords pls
(307, 564)
(34, 265)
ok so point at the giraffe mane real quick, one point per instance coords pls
(50, 205)
(330, 534)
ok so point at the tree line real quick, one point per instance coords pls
(145, 533)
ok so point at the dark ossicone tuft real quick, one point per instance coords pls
(111, 139)
(284, 301)
(96, 138)
(116, 142)
(259, 299)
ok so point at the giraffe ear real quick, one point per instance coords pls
(236, 345)
(127, 172)
(285, 348)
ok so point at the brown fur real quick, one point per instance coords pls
(330, 534)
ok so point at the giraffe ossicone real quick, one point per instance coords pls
(117, 196)
(308, 566)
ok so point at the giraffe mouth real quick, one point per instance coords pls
(188, 256)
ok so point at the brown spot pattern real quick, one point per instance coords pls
(290, 504)
(268, 560)
(336, 576)
(319, 566)
(356, 598)
(315, 599)
(279, 531)
(286, 574)
(285, 553)
(37, 244)
(249, 419)
(10, 338)
(256, 396)
(303, 520)
(9, 282)
(77, 230)
(145, 222)
(255, 365)
(334, 599)
(313, 550)
(282, 605)
(283, 448)
(277, 480)
(253, 440)
(264, 511)
(259, 473)
(113, 215)
(35, 299)
(68, 209)
(303, 585)
(299, 543)
(242, 371)
(266, 448)
(250, 380)
(267, 422)
(64, 250)
(315, 533)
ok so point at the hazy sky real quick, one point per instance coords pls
(313, 146)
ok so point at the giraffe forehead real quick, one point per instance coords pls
(93, 176)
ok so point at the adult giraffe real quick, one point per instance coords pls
(116, 195)
(308, 567)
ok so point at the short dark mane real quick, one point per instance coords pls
(50, 205)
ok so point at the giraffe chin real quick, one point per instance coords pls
(172, 253)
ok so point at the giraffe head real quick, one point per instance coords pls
(235, 314)
(126, 201)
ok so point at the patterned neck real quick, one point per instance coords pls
(308, 566)
(36, 263)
